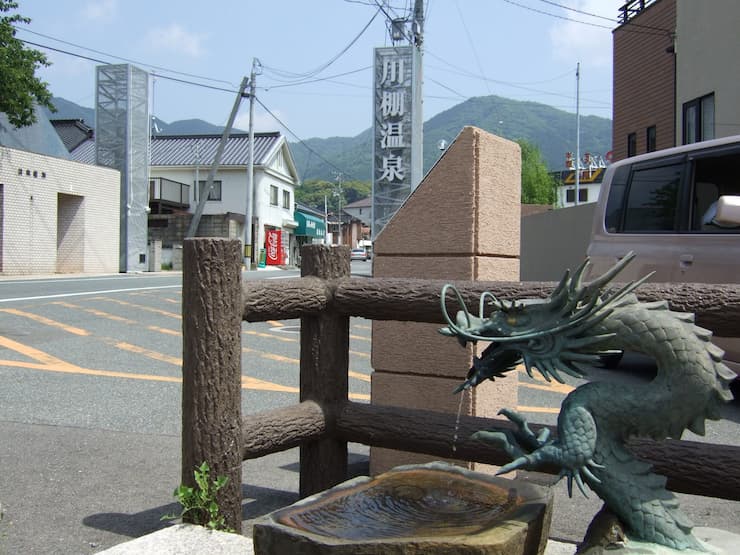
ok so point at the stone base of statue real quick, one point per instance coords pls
(435, 508)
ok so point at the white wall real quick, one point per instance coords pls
(233, 196)
(33, 236)
(554, 241)
(707, 61)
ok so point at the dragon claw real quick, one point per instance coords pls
(521, 462)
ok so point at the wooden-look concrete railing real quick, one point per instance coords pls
(215, 303)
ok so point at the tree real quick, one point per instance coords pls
(20, 89)
(538, 186)
(313, 191)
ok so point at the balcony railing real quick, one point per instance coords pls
(631, 9)
(166, 193)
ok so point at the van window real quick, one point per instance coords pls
(713, 177)
(652, 199)
(613, 217)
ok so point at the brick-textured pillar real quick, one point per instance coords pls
(461, 223)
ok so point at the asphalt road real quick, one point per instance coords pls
(90, 412)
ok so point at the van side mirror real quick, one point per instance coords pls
(728, 211)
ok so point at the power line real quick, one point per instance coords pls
(319, 79)
(106, 62)
(301, 141)
(610, 28)
(119, 57)
(472, 44)
(328, 63)
(550, 2)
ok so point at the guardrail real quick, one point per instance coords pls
(215, 302)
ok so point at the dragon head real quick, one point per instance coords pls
(555, 334)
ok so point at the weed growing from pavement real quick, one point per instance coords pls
(199, 503)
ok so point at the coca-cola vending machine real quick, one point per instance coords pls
(274, 247)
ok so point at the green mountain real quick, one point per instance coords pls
(550, 129)
(70, 110)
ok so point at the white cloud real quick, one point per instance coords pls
(573, 42)
(263, 122)
(100, 11)
(175, 38)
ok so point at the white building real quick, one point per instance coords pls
(179, 162)
(56, 215)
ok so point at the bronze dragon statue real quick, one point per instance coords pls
(569, 331)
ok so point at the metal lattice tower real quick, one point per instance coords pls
(122, 142)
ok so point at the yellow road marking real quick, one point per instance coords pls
(254, 383)
(554, 387)
(547, 410)
(35, 354)
(139, 307)
(165, 330)
(270, 336)
(275, 323)
(115, 317)
(49, 363)
(146, 352)
(46, 321)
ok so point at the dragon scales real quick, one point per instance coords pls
(575, 327)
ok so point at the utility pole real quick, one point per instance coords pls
(249, 213)
(418, 24)
(578, 129)
(216, 162)
(338, 194)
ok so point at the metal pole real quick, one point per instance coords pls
(249, 212)
(578, 129)
(216, 161)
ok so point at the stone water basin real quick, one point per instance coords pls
(432, 508)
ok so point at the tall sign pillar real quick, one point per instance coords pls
(397, 130)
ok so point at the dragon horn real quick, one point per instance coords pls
(599, 282)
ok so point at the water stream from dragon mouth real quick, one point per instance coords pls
(457, 420)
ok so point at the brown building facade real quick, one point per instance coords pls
(644, 78)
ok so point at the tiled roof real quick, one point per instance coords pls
(84, 152)
(73, 132)
(200, 149)
(362, 203)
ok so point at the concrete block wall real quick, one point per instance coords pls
(34, 187)
(461, 223)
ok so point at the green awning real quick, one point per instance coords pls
(309, 225)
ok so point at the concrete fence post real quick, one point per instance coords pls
(211, 367)
(324, 369)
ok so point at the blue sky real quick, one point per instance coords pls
(521, 49)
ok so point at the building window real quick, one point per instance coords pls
(650, 138)
(273, 195)
(698, 119)
(570, 195)
(286, 199)
(631, 144)
(215, 190)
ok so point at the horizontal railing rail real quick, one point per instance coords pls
(324, 420)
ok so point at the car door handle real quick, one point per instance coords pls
(686, 260)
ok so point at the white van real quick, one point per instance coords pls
(679, 211)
